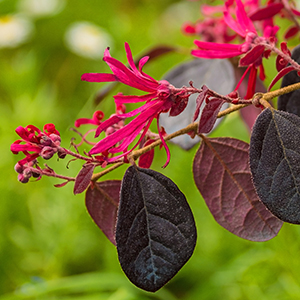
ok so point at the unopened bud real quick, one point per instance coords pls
(45, 141)
(27, 172)
(36, 174)
(55, 139)
(22, 178)
(19, 168)
(61, 153)
(47, 152)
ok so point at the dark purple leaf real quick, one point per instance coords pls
(275, 163)
(222, 175)
(83, 178)
(251, 56)
(209, 115)
(216, 74)
(156, 232)
(102, 202)
(290, 102)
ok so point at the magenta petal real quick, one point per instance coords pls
(130, 58)
(25, 147)
(111, 121)
(142, 62)
(215, 54)
(127, 130)
(127, 76)
(98, 77)
(82, 121)
(127, 140)
(233, 24)
(22, 132)
(215, 50)
(243, 19)
(120, 98)
(143, 108)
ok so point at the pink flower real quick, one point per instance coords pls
(161, 97)
(39, 143)
(253, 47)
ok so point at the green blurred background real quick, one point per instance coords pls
(49, 246)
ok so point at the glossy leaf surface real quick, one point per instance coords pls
(222, 175)
(102, 201)
(217, 74)
(275, 163)
(156, 232)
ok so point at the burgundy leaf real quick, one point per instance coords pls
(146, 159)
(222, 175)
(251, 56)
(61, 184)
(199, 101)
(83, 178)
(179, 108)
(280, 75)
(209, 115)
(292, 31)
(102, 202)
(266, 12)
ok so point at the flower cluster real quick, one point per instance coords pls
(35, 143)
(161, 97)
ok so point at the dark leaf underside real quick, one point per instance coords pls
(275, 163)
(156, 233)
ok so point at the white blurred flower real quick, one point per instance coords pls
(40, 8)
(14, 30)
(87, 39)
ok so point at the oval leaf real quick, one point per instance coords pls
(156, 232)
(222, 175)
(102, 201)
(275, 163)
(217, 74)
(83, 178)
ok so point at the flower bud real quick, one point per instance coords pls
(27, 173)
(47, 152)
(36, 174)
(55, 139)
(22, 178)
(45, 141)
(61, 153)
(19, 168)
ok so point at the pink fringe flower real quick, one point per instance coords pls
(161, 97)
